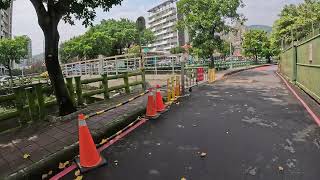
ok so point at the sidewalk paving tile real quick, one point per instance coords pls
(21, 143)
(19, 163)
(7, 148)
(68, 140)
(39, 154)
(12, 156)
(31, 148)
(44, 139)
(54, 147)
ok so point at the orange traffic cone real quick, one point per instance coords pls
(160, 107)
(151, 106)
(89, 155)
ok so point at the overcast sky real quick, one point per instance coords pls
(262, 12)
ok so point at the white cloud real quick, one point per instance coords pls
(25, 20)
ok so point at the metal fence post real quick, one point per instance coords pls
(33, 110)
(143, 77)
(78, 90)
(295, 61)
(70, 89)
(40, 98)
(182, 77)
(105, 86)
(20, 103)
(126, 82)
(117, 68)
(101, 66)
(172, 62)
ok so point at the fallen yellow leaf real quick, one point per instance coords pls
(66, 163)
(78, 178)
(103, 141)
(44, 176)
(61, 165)
(26, 156)
(77, 173)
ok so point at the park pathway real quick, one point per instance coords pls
(248, 126)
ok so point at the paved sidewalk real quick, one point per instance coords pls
(44, 140)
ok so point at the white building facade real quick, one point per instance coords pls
(162, 21)
(5, 29)
(6, 23)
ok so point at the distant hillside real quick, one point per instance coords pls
(268, 29)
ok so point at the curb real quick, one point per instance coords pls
(305, 105)
(240, 70)
(36, 170)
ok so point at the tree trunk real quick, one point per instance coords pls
(256, 58)
(52, 37)
(269, 59)
(212, 65)
(10, 72)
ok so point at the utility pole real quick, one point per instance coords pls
(141, 26)
(230, 48)
(312, 29)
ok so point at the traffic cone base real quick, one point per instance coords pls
(160, 107)
(151, 108)
(89, 157)
(82, 169)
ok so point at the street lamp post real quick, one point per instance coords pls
(186, 48)
(141, 26)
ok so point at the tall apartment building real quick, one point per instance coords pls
(162, 21)
(5, 29)
(6, 23)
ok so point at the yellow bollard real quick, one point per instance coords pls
(168, 90)
(173, 93)
(212, 75)
(177, 86)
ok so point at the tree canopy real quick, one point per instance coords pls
(256, 44)
(50, 13)
(206, 21)
(108, 38)
(12, 51)
(296, 22)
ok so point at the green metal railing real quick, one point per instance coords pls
(301, 65)
(31, 101)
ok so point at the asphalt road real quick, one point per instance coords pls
(249, 125)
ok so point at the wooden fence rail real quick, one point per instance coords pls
(31, 102)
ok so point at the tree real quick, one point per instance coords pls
(109, 38)
(296, 22)
(12, 51)
(257, 44)
(206, 21)
(226, 48)
(177, 50)
(50, 13)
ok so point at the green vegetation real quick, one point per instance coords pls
(12, 51)
(50, 13)
(177, 50)
(206, 21)
(296, 22)
(109, 38)
(257, 44)
(268, 29)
